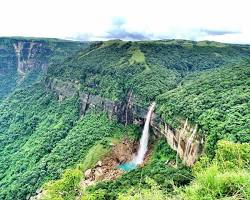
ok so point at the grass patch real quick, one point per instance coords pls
(95, 154)
(211, 44)
(137, 57)
(227, 176)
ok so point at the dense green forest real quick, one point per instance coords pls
(46, 143)
(147, 68)
(42, 139)
(218, 100)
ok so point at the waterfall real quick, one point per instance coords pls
(138, 159)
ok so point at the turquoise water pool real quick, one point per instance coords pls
(127, 166)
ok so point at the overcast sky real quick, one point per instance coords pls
(218, 20)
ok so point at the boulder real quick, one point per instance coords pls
(98, 173)
(99, 163)
(123, 151)
(88, 173)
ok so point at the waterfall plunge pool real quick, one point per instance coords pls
(128, 166)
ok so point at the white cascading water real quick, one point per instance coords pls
(138, 159)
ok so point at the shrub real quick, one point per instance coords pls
(226, 176)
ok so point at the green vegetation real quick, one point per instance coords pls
(64, 188)
(112, 68)
(44, 52)
(44, 142)
(137, 56)
(166, 176)
(147, 194)
(28, 135)
(226, 177)
(189, 56)
(8, 72)
(218, 100)
(67, 186)
(43, 138)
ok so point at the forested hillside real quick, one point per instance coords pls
(44, 137)
(218, 100)
(147, 68)
(35, 54)
(46, 143)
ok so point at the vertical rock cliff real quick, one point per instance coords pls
(21, 56)
(27, 54)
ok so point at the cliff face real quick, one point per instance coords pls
(125, 111)
(20, 56)
(185, 140)
(23, 56)
(27, 56)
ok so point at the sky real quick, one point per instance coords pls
(217, 20)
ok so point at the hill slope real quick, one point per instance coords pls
(21, 56)
(218, 100)
(41, 135)
(147, 68)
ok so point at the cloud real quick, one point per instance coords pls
(118, 31)
(80, 37)
(125, 35)
(219, 32)
(223, 21)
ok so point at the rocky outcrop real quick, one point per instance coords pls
(40, 193)
(124, 111)
(184, 140)
(62, 89)
(123, 152)
(26, 53)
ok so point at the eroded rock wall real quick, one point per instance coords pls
(185, 140)
(26, 54)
